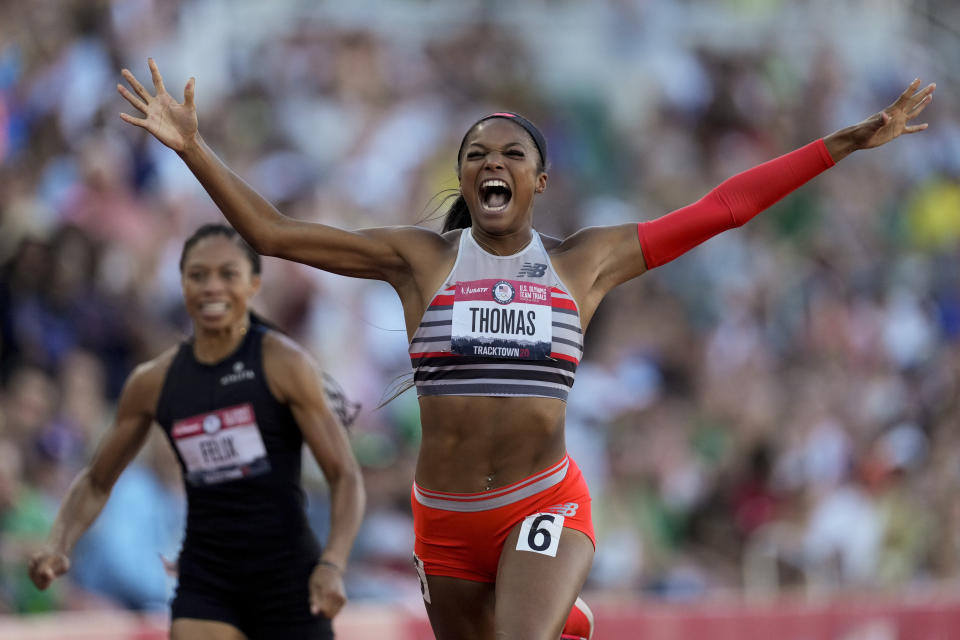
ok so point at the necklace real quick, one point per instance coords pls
(486, 247)
(489, 249)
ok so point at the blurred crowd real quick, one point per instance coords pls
(776, 410)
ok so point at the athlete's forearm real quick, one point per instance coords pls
(248, 212)
(732, 203)
(347, 503)
(81, 506)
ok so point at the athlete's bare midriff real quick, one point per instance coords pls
(473, 444)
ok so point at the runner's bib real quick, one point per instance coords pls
(221, 445)
(502, 319)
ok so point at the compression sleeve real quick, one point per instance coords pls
(731, 204)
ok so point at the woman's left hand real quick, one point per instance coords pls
(881, 128)
(327, 593)
(890, 123)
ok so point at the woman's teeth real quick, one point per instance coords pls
(494, 194)
(213, 307)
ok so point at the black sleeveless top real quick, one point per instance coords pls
(240, 452)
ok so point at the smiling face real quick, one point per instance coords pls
(218, 283)
(500, 171)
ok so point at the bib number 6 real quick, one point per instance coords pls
(540, 533)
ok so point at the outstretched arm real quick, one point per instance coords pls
(743, 196)
(90, 490)
(371, 253)
(738, 199)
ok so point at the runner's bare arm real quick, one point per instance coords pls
(381, 253)
(377, 253)
(295, 380)
(91, 488)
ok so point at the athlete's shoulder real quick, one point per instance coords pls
(281, 351)
(428, 240)
(412, 235)
(592, 238)
(154, 371)
(452, 236)
(423, 250)
(549, 242)
(290, 371)
(145, 382)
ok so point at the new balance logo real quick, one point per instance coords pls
(566, 509)
(532, 270)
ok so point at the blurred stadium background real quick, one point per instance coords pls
(769, 425)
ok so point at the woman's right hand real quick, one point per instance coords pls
(46, 566)
(172, 123)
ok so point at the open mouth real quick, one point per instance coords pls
(495, 195)
(213, 310)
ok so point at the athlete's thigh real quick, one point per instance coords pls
(535, 591)
(459, 609)
(190, 629)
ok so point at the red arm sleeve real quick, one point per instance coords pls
(731, 204)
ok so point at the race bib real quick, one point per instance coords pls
(540, 533)
(221, 445)
(502, 319)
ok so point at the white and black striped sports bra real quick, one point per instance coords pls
(498, 326)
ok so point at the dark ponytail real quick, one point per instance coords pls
(458, 215)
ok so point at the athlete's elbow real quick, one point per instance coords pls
(96, 485)
(276, 238)
(346, 477)
(348, 472)
(263, 244)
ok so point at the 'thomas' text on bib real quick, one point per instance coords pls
(502, 319)
(221, 445)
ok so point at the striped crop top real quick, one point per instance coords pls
(498, 326)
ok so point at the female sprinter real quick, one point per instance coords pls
(237, 401)
(495, 313)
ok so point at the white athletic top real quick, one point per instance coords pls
(498, 326)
